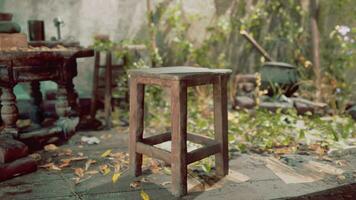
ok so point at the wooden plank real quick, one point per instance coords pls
(11, 150)
(203, 152)
(18, 167)
(157, 139)
(179, 137)
(136, 125)
(153, 81)
(221, 125)
(200, 139)
(153, 152)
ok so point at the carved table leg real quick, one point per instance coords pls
(36, 96)
(62, 105)
(72, 97)
(9, 111)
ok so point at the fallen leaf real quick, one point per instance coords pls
(78, 180)
(75, 158)
(88, 163)
(36, 156)
(92, 172)
(167, 171)
(341, 177)
(117, 167)
(46, 165)
(90, 140)
(104, 169)
(115, 177)
(50, 166)
(144, 180)
(55, 167)
(155, 168)
(284, 150)
(144, 195)
(67, 152)
(106, 153)
(79, 172)
(135, 184)
(166, 183)
(341, 163)
(50, 147)
(65, 163)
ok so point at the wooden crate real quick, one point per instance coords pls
(14, 40)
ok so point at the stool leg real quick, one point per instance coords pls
(108, 95)
(221, 125)
(95, 86)
(136, 125)
(179, 138)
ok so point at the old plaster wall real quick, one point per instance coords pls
(121, 19)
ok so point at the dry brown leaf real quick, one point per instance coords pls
(36, 156)
(341, 163)
(79, 172)
(65, 163)
(135, 184)
(88, 163)
(50, 147)
(117, 167)
(67, 152)
(78, 158)
(155, 168)
(144, 180)
(46, 165)
(92, 172)
(284, 150)
(55, 167)
(166, 183)
(104, 169)
(318, 149)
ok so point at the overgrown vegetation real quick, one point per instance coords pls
(282, 27)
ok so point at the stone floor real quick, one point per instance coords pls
(250, 178)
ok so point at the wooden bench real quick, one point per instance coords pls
(178, 79)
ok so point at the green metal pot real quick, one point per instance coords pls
(279, 75)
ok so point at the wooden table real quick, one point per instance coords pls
(35, 65)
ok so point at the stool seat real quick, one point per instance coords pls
(177, 72)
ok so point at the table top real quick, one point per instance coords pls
(44, 53)
(177, 72)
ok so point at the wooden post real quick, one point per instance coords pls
(36, 97)
(136, 125)
(221, 124)
(179, 138)
(95, 86)
(314, 13)
(108, 85)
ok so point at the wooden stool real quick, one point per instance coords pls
(178, 79)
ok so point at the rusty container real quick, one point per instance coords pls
(36, 31)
